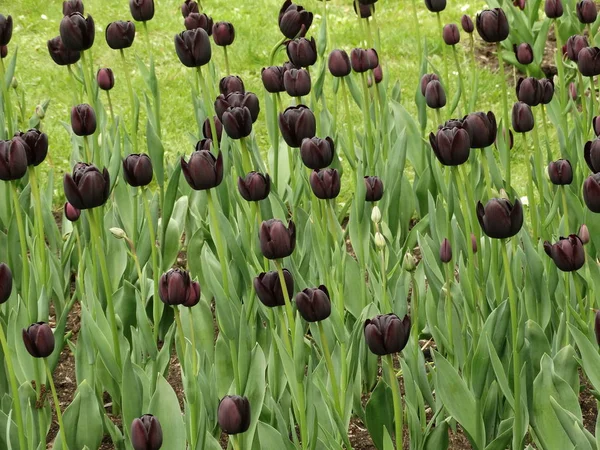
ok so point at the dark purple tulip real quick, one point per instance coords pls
(71, 213)
(188, 7)
(588, 61)
(363, 59)
(339, 63)
(522, 117)
(567, 253)
(435, 96)
(223, 33)
(473, 242)
(492, 25)
(277, 241)
(387, 334)
(237, 122)
(204, 144)
(452, 123)
(77, 33)
(230, 84)
(207, 131)
(239, 100)
(451, 146)
(254, 187)
(302, 52)
(72, 6)
(294, 20)
(137, 170)
(523, 53)
(317, 153)
(482, 129)
(3, 51)
(313, 304)
(197, 20)
(193, 47)
(591, 152)
(234, 414)
(365, 11)
(141, 10)
(591, 192)
(177, 288)
(435, 5)
(553, 9)
(272, 78)
(573, 90)
(325, 183)
(445, 251)
(467, 24)
(374, 187)
(547, 86)
(574, 45)
(39, 340)
(203, 171)
(297, 82)
(596, 125)
(146, 433)
(560, 172)
(378, 74)
(6, 283)
(297, 123)
(586, 11)
(120, 34)
(13, 159)
(87, 187)
(268, 288)
(36, 145)
(60, 54)
(425, 79)
(597, 326)
(83, 120)
(520, 4)
(6, 29)
(450, 34)
(367, 2)
(499, 219)
(105, 79)
(584, 234)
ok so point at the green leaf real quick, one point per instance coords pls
(165, 406)
(380, 413)
(590, 359)
(82, 419)
(157, 152)
(438, 438)
(255, 391)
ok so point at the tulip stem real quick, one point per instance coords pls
(87, 81)
(246, 163)
(583, 104)
(228, 72)
(349, 131)
(63, 431)
(274, 50)
(76, 82)
(39, 222)
(221, 251)
(156, 312)
(207, 106)
(286, 297)
(531, 196)
(505, 135)
(367, 117)
(134, 118)
(236, 441)
(546, 134)
(330, 367)
(448, 306)
(539, 166)
(565, 208)
(417, 29)
(474, 75)
(110, 107)
(24, 260)
(561, 73)
(414, 302)
(397, 398)
(180, 335)
(444, 54)
(6, 100)
(460, 78)
(275, 142)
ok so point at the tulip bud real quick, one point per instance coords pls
(188, 7)
(234, 414)
(364, 11)
(105, 79)
(529, 91)
(146, 433)
(313, 304)
(339, 63)
(231, 84)
(482, 129)
(72, 6)
(573, 91)
(378, 74)
(363, 60)
(3, 51)
(375, 215)
(254, 187)
(446, 251)
(141, 10)
(522, 117)
(6, 29)
(325, 183)
(13, 159)
(560, 172)
(39, 340)
(435, 96)
(193, 47)
(567, 253)
(492, 25)
(77, 33)
(60, 54)
(177, 288)
(409, 263)
(523, 53)
(435, 5)
(520, 4)
(302, 52)
(297, 82)
(553, 9)
(120, 34)
(574, 45)
(584, 234)
(277, 241)
(467, 24)
(83, 120)
(499, 219)
(40, 112)
(207, 131)
(588, 61)
(452, 146)
(294, 20)
(237, 122)
(473, 242)
(137, 170)
(203, 171)
(119, 233)
(36, 145)
(197, 20)
(238, 99)
(317, 153)
(374, 187)
(591, 192)
(297, 123)
(425, 79)
(268, 288)
(87, 187)
(596, 125)
(6, 283)
(71, 213)
(204, 144)
(387, 334)
(379, 240)
(450, 34)
(597, 327)
(223, 33)
(272, 78)
(586, 11)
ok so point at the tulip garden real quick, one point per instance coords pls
(341, 259)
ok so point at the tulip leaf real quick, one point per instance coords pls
(270, 438)
(165, 406)
(156, 153)
(133, 391)
(500, 373)
(380, 413)
(437, 439)
(82, 419)
(573, 426)
(590, 359)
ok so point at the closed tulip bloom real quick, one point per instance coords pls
(313, 304)
(529, 91)
(193, 47)
(560, 172)
(197, 20)
(297, 82)
(596, 125)
(223, 33)
(450, 34)
(207, 131)
(6, 29)
(60, 54)
(363, 59)
(523, 53)
(425, 79)
(240, 100)
(204, 144)
(254, 187)
(177, 288)
(586, 11)
(71, 213)
(105, 79)
(567, 253)
(467, 24)
(387, 334)
(137, 170)
(146, 433)
(482, 129)
(445, 251)
(120, 34)
(317, 153)
(435, 96)
(492, 25)
(72, 6)
(378, 74)
(233, 414)
(573, 91)
(339, 63)
(499, 219)
(230, 84)
(374, 187)
(451, 146)
(547, 86)
(553, 9)
(237, 122)
(302, 52)
(36, 145)
(77, 33)
(141, 10)
(297, 123)
(584, 234)
(6, 283)
(39, 340)
(13, 160)
(574, 45)
(272, 78)
(588, 61)
(364, 11)
(435, 5)
(203, 171)
(83, 120)
(325, 183)
(277, 241)
(87, 187)
(188, 7)
(3, 51)
(522, 117)
(268, 288)
(294, 20)
(591, 192)
(597, 327)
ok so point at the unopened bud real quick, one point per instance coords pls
(379, 240)
(376, 215)
(14, 83)
(584, 234)
(118, 233)
(410, 262)
(39, 112)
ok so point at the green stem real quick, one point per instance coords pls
(235, 365)
(24, 258)
(385, 300)
(61, 425)
(237, 441)
(286, 297)
(6, 100)
(89, 155)
(505, 123)
(567, 306)
(134, 119)
(546, 134)
(538, 159)
(193, 339)
(39, 222)
(583, 103)
(180, 335)
(87, 80)
(226, 60)
(274, 50)
(397, 398)
(207, 103)
(330, 368)
(110, 107)
(561, 68)
(351, 156)
(155, 265)
(367, 118)
(531, 196)
(460, 77)
(246, 163)
(448, 307)
(444, 54)
(565, 208)
(474, 74)
(221, 250)
(275, 142)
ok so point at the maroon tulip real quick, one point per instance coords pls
(268, 288)
(522, 117)
(451, 146)
(482, 128)
(586, 11)
(467, 24)
(574, 45)
(364, 11)
(302, 52)
(591, 192)
(294, 20)
(277, 241)
(230, 84)
(83, 120)
(567, 253)
(240, 100)
(499, 219)
(553, 9)
(120, 34)
(313, 304)
(204, 144)
(6, 282)
(363, 59)
(492, 25)
(105, 79)
(584, 234)
(87, 187)
(378, 74)
(193, 47)
(450, 34)
(197, 20)
(13, 159)
(6, 29)
(146, 433)
(297, 82)
(547, 86)
(325, 183)
(317, 153)
(36, 145)
(425, 79)
(523, 53)
(77, 33)
(297, 123)
(445, 251)
(272, 78)
(560, 172)
(203, 171)
(141, 10)
(374, 187)
(39, 340)
(223, 33)
(237, 122)
(233, 414)
(588, 61)
(435, 96)
(72, 6)
(435, 5)
(137, 170)
(339, 63)
(71, 213)
(254, 187)
(207, 131)
(596, 125)
(387, 334)
(177, 288)
(3, 51)
(60, 54)
(188, 7)
(529, 91)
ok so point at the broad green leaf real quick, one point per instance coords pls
(165, 406)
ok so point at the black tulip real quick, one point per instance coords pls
(596, 125)
(177, 288)
(297, 82)
(362, 59)
(522, 117)
(223, 33)
(482, 128)
(6, 282)
(137, 170)
(204, 144)
(120, 34)
(568, 253)
(445, 251)
(553, 9)
(60, 54)
(492, 25)
(36, 145)
(523, 53)
(72, 6)
(87, 187)
(297, 123)
(3, 51)
(71, 213)
(238, 100)
(467, 24)
(588, 61)
(452, 146)
(499, 219)
(374, 187)
(339, 63)
(325, 183)
(277, 241)
(207, 131)
(77, 33)
(146, 433)
(6, 29)
(193, 47)
(591, 192)
(233, 414)
(560, 172)
(425, 79)
(13, 159)
(203, 171)
(230, 84)
(197, 20)
(317, 153)
(378, 74)
(364, 11)
(39, 340)
(268, 288)
(302, 52)
(387, 334)
(314, 304)
(597, 327)
(294, 20)
(530, 91)
(450, 34)
(435, 96)
(586, 11)
(272, 78)
(105, 79)
(188, 7)
(574, 45)
(237, 122)
(435, 5)
(254, 187)
(83, 120)
(547, 86)
(141, 10)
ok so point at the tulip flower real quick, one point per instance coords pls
(223, 33)
(233, 414)
(254, 187)
(387, 334)
(146, 433)
(83, 120)
(481, 128)
(105, 79)
(77, 33)
(474, 242)
(277, 241)
(177, 288)
(588, 61)
(529, 91)
(409, 262)
(6, 29)
(499, 219)
(435, 96)
(450, 34)
(203, 171)
(6, 282)
(584, 234)
(188, 7)
(207, 131)
(573, 90)
(71, 213)
(237, 122)
(39, 340)
(492, 25)
(297, 82)
(364, 11)
(137, 170)
(523, 53)
(574, 45)
(268, 288)
(363, 59)
(231, 84)
(586, 11)
(597, 327)
(317, 153)
(313, 304)
(591, 192)
(596, 125)
(425, 79)
(553, 9)
(445, 251)
(339, 63)
(297, 123)
(141, 10)
(302, 52)
(567, 253)
(72, 6)
(560, 172)
(435, 6)
(193, 47)
(467, 24)
(522, 117)
(294, 20)
(13, 159)
(451, 146)
(60, 54)
(272, 78)
(197, 20)
(378, 74)
(87, 187)
(204, 144)
(374, 187)
(120, 34)
(239, 100)
(36, 146)
(325, 183)
(3, 51)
